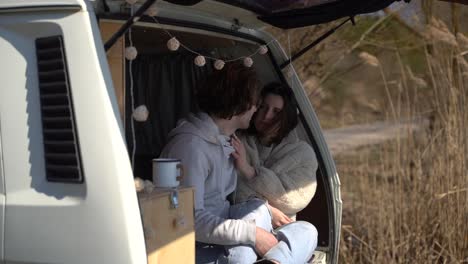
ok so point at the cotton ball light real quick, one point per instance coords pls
(173, 44)
(219, 64)
(131, 2)
(248, 62)
(152, 11)
(131, 53)
(141, 113)
(263, 49)
(149, 186)
(200, 61)
(139, 184)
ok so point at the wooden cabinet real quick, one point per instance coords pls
(169, 231)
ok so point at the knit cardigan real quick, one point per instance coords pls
(285, 174)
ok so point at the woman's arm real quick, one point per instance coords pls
(287, 181)
(278, 218)
(289, 191)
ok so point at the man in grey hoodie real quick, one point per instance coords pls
(225, 233)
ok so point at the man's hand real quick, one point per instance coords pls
(278, 218)
(264, 241)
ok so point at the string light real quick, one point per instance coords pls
(200, 61)
(141, 113)
(173, 44)
(263, 49)
(248, 62)
(218, 64)
(131, 53)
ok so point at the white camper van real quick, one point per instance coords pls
(69, 146)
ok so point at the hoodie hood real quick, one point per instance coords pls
(202, 126)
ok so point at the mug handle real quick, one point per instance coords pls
(181, 169)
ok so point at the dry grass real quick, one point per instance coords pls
(406, 201)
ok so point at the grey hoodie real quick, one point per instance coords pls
(205, 154)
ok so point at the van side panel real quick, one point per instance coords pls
(97, 221)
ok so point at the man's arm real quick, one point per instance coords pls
(264, 241)
(209, 228)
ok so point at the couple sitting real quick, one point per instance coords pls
(272, 164)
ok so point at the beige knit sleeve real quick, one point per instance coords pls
(289, 183)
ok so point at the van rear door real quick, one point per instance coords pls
(293, 13)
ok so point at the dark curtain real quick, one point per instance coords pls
(166, 85)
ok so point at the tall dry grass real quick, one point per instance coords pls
(406, 201)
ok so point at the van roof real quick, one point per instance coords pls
(11, 5)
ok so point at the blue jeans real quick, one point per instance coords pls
(296, 241)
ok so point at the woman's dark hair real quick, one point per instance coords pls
(229, 91)
(287, 117)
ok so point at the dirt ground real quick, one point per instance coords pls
(344, 139)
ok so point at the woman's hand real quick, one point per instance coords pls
(278, 217)
(240, 158)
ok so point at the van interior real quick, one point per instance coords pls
(165, 82)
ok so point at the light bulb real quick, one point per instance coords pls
(219, 64)
(173, 44)
(200, 61)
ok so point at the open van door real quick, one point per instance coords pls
(296, 13)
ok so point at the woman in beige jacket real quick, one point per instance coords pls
(272, 162)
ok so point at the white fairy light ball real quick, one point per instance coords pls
(200, 61)
(263, 49)
(131, 2)
(131, 53)
(139, 184)
(149, 186)
(152, 11)
(248, 62)
(141, 113)
(219, 64)
(173, 44)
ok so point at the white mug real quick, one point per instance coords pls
(167, 173)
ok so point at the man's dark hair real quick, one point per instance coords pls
(287, 117)
(229, 91)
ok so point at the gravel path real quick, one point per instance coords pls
(348, 138)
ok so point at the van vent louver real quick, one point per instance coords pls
(62, 155)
